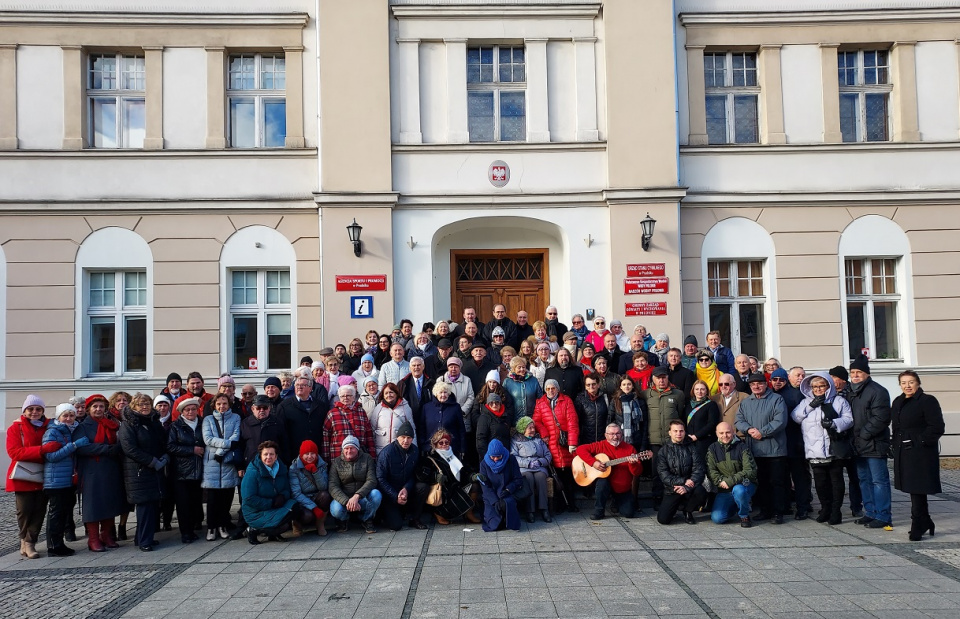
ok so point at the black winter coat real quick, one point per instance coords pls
(303, 422)
(254, 431)
(143, 441)
(871, 420)
(682, 379)
(594, 416)
(917, 428)
(478, 374)
(792, 398)
(703, 425)
(678, 463)
(396, 470)
(490, 426)
(569, 379)
(181, 440)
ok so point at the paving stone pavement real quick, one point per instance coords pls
(572, 567)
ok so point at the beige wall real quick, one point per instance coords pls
(641, 117)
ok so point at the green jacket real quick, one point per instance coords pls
(661, 408)
(732, 463)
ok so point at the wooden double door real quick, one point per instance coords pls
(483, 278)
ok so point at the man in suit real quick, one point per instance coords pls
(416, 388)
(729, 398)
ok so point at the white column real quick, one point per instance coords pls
(538, 119)
(410, 91)
(586, 60)
(457, 132)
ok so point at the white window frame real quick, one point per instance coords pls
(119, 251)
(261, 310)
(875, 236)
(119, 312)
(724, 241)
(497, 87)
(731, 92)
(869, 297)
(121, 94)
(258, 95)
(734, 300)
(3, 320)
(861, 88)
(255, 248)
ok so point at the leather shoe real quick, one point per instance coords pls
(546, 516)
(762, 516)
(688, 518)
(745, 522)
(146, 549)
(531, 518)
(596, 516)
(778, 519)
(800, 515)
(416, 524)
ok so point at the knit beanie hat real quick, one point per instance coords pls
(174, 376)
(93, 398)
(663, 337)
(63, 408)
(273, 380)
(493, 397)
(780, 373)
(162, 398)
(405, 429)
(367, 357)
(308, 447)
(493, 375)
(226, 379)
(350, 440)
(32, 400)
(345, 380)
(522, 424)
(860, 363)
(691, 339)
(840, 372)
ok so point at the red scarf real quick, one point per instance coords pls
(498, 413)
(106, 430)
(310, 467)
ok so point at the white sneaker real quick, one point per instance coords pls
(211, 535)
(223, 533)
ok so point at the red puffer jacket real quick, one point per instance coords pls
(547, 427)
(23, 443)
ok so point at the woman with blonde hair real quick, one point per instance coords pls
(707, 370)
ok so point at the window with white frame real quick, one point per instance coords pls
(260, 320)
(865, 88)
(116, 303)
(872, 307)
(496, 93)
(115, 100)
(732, 93)
(256, 100)
(737, 299)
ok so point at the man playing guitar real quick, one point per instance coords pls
(618, 483)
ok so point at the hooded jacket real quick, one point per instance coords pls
(60, 464)
(818, 442)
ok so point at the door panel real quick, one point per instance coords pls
(484, 278)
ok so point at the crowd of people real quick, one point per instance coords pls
(485, 422)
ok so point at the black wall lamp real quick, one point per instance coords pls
(646, 225)
(353, 231)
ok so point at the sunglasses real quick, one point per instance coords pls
(727, 384)
(443, 442)
(777, 380)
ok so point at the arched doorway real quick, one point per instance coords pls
(482, 278)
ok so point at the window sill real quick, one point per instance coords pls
(494, 147)
(859, 147)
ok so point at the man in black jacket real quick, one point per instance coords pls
(524, 328)
(681, 471)
(680, 377)
(567, 374)
(436, 365)
(500, 320)
(477, 367)
(555, 328)
(402, 494)
(870, 403)
(796, 456)
(304, 414)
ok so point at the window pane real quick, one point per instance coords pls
(135, 288)
(278, 287)
(103, 72)
(480, 116)
(278, 341)
(717, 119)
(135, 339)
(103, 121)
(848, 116)
(513, 126)
(242, 73)
(847, 68)
(245, 341)
(856, 327)
(242, 123)
(244, 288)
(102, 345)
(102, 289)
(713, 70)
(751, 330)
(275, 122)
(134, 123)
(473, 65)
(719, 274)
(132, 73)
(876, 128)
(854, 276)
(272, 73)
(720, 320)
(885, 322)
(745, 118)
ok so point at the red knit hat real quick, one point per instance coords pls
(308, 447)
(90, 400)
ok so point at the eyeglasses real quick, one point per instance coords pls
(249, 393)
(578, 322)
(443, 442)
(600, 324)
(727, 384)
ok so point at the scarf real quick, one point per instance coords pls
(695, 406)
(37, 423)
(309, 467)
(711, 376)
(192, 424)
(495, 413)
(452, 461)
(856, 387)
(164, 419)
(106, 430)
(395, 404)
(273, 470)
(626, 400)
(496, 448)
(552, 328)
(581, 332)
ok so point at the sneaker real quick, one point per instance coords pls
(856, 513)
(864, 520)
(879, 524)
(368, 527)
(344, 526)
(745, 522)
(211, 535)
(223, 533)
(778, 519)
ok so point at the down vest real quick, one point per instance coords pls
(61, 464)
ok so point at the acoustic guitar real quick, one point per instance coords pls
(584, 474)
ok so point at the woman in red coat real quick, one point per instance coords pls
(555, 412)
(24, 440)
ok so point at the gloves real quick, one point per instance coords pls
(319, 514)
(827, 424)
(156, 464)
(478, 477)
(534, 464)
(49, 448)
(829, 411)
(83, 441)
(278, 500)
(816, 402)
(218, 458)
(164, 460)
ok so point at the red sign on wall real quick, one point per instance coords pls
(646, 285)
(648, 269)
(350, 283)
(656, 308)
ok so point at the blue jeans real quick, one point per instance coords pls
(875, 488)
(368, 507)
(724, 503)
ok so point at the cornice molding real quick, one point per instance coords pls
(496, 11)
(773, 199)
(818, 18)
(356, 199)
(474, 147)
(600, 198)
(206, 20)
(848, 147)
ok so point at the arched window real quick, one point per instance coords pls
(738, 261)
(258, 295)
(3, 315)
(114, 297)
(877, 318)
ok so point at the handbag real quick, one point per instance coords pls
(234, 457)
(562, 436)
(435, 496)
(27, 471)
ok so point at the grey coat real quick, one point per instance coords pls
(767, 414)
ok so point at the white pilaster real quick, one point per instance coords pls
(410, 91)
(538, 120)
(586, 59)
(457, 132)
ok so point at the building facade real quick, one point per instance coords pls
(176, 181)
